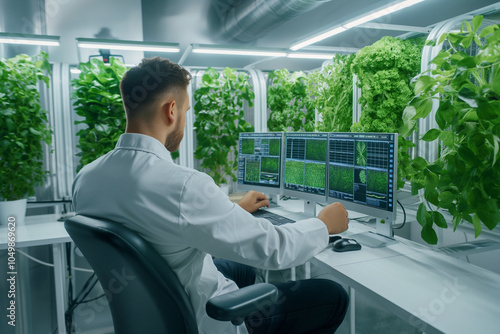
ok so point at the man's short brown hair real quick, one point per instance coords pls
(153, 77)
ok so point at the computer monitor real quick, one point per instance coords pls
(305, 165)
(362, 174)
(259, 162)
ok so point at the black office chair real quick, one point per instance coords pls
(144, 294)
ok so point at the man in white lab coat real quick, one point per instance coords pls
(189, 220)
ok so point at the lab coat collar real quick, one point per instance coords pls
(141, 142)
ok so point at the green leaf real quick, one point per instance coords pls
(431, 195)
(467, 155)
(446, 199)
(431, 135)
(419, 163)
(476, 22)
(439, 219)
(430, 180)
(422, 215)
(487, 31)
(429, 235)
(477, 225)
(495, 81)
(447, 138)
(442, 38)
(409, 122)
(424, 83)
(489, 213)
(423, 108)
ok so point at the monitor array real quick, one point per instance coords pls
(357, 169)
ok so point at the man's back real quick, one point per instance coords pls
(184, 215)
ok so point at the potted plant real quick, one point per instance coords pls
(287, 98)
(465, 179)
(220, 119)
(23, 129)
(98, 101)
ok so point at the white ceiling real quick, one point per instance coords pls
(200, 21)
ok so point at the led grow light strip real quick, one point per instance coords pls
(345, 26)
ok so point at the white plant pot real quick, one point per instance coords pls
(12, 211)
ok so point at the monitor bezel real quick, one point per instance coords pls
(388, 216)
(300, 194)
(271, 190)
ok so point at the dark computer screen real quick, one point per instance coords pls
(305, 164)
(259, 160)
(362, 169)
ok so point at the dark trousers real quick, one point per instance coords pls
(304, 306)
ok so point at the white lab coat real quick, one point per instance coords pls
(188, 219)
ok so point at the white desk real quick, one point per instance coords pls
(45, 230)
(433, 292)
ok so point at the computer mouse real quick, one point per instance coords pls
(346, 245)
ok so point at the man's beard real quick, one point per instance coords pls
(174, 139)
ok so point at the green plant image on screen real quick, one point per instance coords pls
(269, 169)
(294, 172)
(316, 150)
(270, 165)
(315, 175)
(376, 181)
(252, 171)
(341, 179)
(274, 147)
(361, 153)
(362, 176)
(247, 146)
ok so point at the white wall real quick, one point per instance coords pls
(85, 18)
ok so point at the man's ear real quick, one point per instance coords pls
(169, 111)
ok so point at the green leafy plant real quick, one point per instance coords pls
(361, 153)
(362, 176)
(465, 179)
(331, 88)
(274, 147)
(248, 146)
(252, 171)
(316, 150)
(384, 71)
(341, 179)
(376, 181)
(98, 100)
(290, 105)
(294, 172)
(23, 125)
(270, 165)
(220, 119)
(314, 175)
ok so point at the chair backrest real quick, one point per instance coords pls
(144, 294)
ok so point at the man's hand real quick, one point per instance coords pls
(335, 218)
(253, 200)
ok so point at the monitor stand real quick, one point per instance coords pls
(273, 200)
(381, 238)
(310, 208)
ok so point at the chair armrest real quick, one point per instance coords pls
(236, 305)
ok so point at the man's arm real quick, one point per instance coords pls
(334, 216)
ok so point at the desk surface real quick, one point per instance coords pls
(434, 292)
(37, 231)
